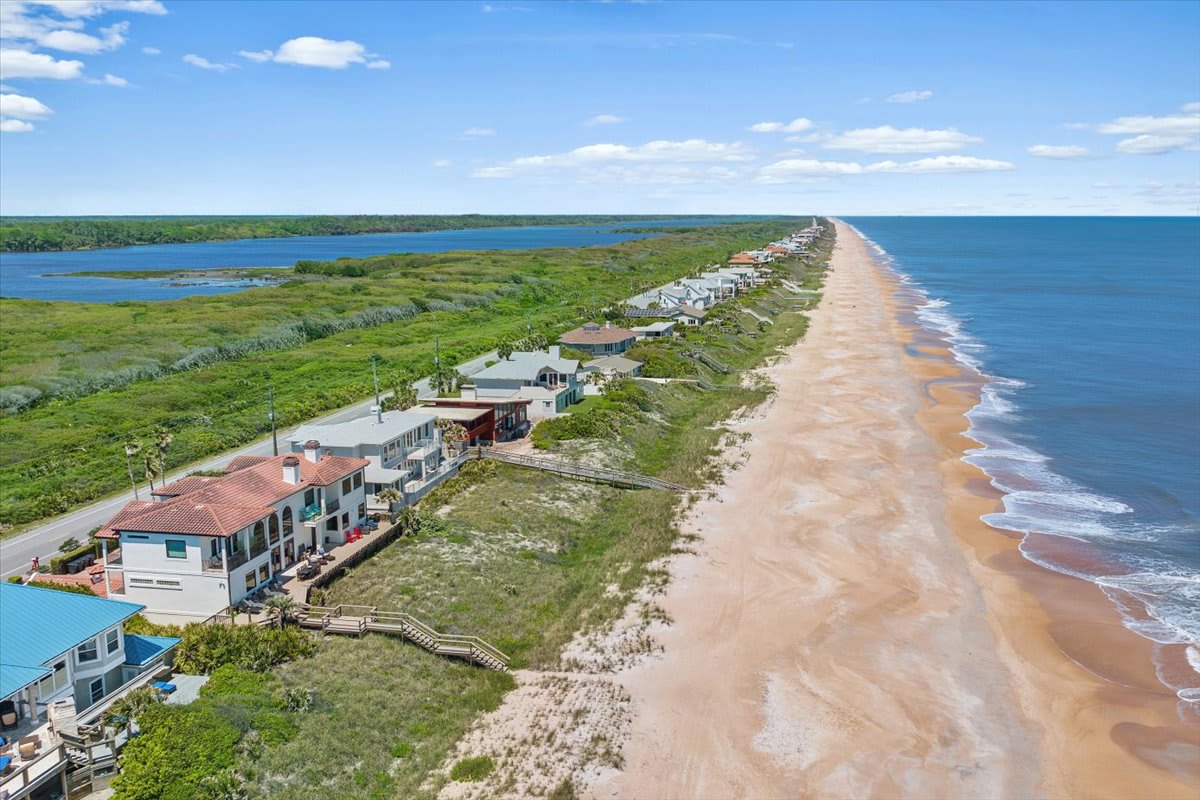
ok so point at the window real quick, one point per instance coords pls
(54, 682)
(87, 651)
(273, 528)
(96, 690)
(346, 486)
(309, 497)
(345, 519)
(287, 521)
(250, 584)
(362, 510)
(176, 548)
(358, 480)
(112, 640)
(264, 573)
(331, 523)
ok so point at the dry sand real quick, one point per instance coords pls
(848, 627)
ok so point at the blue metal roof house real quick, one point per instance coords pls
(63, 659)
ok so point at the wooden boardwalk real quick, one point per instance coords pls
(357, 620)
(629, 480)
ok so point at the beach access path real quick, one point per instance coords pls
(17, 552)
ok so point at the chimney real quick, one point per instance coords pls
(467, 392)
(555, 351)
(291, 470)
(312, 450)
(377, 412)
(607, 324)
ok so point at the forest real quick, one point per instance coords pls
(37, 234)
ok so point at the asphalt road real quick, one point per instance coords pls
(17, 552)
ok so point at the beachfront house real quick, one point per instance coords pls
(662, 329)
(63, 658)
(204, 543)
(548, 381)
(614, 367)
(485, 419)
(403, 448)
(688, 315)
(599, 340)
(726, 283)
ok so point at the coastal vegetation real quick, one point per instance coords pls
(87, 378)
(35, 234)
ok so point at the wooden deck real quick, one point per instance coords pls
(357, 620)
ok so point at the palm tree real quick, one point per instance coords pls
(151, 466)
(282, 607)
(162, 442)
(389, 496)
(132, 448)
(452, 434)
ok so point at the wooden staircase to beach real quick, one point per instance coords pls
(615, 477)
(356, 620)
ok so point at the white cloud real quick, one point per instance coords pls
(801, 170)
(886, 139)
(944, 164)
(256, 55)
(476, 132)
(16, 105)
(113, 80)
(1151, 144)
(314, 51)
(913, 96)
(795, 126)
(604, 119)
(1185, 124)
(379, 63)
(204, 63)
(441, 163)
(90, 8)
(14, 126)
(73, 41)
(19, 63)
(1063, 151)
(152, 51)
(600, 159)
(1150, 135)
(1186, 193)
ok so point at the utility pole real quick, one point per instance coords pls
(271, 416)
(378, 402)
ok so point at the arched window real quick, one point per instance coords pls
(287, 522)
(273, 525)
(258, 541)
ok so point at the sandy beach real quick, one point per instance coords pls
(850, 628)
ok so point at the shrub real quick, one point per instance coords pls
(73, 588)
(58, 564)
(402, 750)
(475, 768)
(178, 747)
(205, 648)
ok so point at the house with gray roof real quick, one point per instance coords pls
(546, 379)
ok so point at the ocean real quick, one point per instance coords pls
(39, 276)
(1088, 331)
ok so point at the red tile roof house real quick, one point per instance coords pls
(204, 543)
(599, 340)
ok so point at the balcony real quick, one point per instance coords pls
(47, 758)
(215, 564)
(235, 560)
(314, 513)
(423, 449)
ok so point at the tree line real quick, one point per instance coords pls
(36, 234)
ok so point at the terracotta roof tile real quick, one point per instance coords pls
(241, 462)
(222, 506)
(183, 486)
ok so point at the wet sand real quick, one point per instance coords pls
(850, 628)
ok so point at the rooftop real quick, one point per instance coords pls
(458, 413)
(226, 505)
(41, 624)
(525, 366)
(690, 311)
(141, 650)
(593, 333)
(614, 363)
(364, 430)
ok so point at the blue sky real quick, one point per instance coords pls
(147, 107)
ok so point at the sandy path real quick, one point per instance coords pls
(830, 640)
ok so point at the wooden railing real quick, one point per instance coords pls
(613, 476)
(355, 619)
(12, 783)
